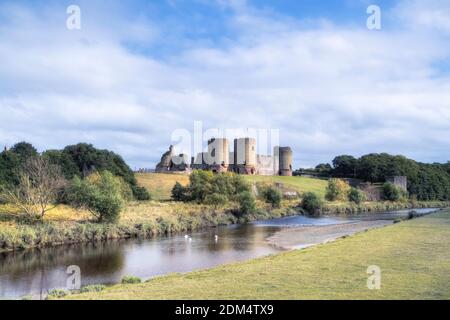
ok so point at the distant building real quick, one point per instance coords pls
(243, 159)
(400, 181)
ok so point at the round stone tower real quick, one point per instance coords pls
(285, 161)
(245, 159)
(218, 154)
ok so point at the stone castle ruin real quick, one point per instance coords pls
(243, 159)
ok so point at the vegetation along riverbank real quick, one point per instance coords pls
(81, 194)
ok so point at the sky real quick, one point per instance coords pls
(137, 71)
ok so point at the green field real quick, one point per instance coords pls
(160, 184)
(299, 184)
(414, 257)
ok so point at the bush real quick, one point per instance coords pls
(93, 288)
(100, 195)
(311, 203)
(391, 192)
(216, 199)
(141, 194)
(179, 192)
(337, 189)
(356, 196)
(131, 280)
(272, 195)
(246, 202)
(58, 293)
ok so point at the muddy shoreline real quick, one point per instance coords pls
(306, 236)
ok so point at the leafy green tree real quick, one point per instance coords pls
(356, 196)
(9, 168)
(391, 192)
(179, 193)
(272, 195)
(57, 157)
(102, 196)
(344, 166)
(216, 199)
(324, 169)
(200, 185)
(24, 150)
(247, 203)
(311, 203)
(141, 193)
(337, 190)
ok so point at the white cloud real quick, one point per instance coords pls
(330, 90)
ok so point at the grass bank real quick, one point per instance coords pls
(65, 225)
(350, 208)
(414, 258)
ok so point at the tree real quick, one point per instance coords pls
(337, 189)
(272, 195)
(311, 203)
(102, 197)
(9, 168)
(356, 196)
(141, 193)
(323, 169)
(24, 150)
(37, 189)
(216, 199)
(344, 166)
(179, 192)
(68, 167)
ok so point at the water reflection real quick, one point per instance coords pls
(27, 272)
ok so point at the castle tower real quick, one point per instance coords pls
(245, 159)
(218, 155)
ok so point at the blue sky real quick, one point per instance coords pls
(138, 70)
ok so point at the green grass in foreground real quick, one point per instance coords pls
(414, 257)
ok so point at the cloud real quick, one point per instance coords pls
(330, 89)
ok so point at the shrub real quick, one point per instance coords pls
(356, 196)
(93, 288)
(141, 194)
(58, 293)
(337, 189)
(216, 199)
(311, 203)
(179, 192)
(272, 195)
(246, 202)
(131, 280)
(391, 192)
(101, 196)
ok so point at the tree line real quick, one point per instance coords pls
(80, 175)
(426, 182)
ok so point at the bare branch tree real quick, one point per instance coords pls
(37, 191)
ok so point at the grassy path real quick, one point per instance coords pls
(414, 257)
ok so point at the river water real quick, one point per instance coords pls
(36, 271)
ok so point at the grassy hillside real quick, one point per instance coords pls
(300, 184)
(414, 258)
(160, 185)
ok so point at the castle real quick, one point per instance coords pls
(242, 160)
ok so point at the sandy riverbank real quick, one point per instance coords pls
(305, 236)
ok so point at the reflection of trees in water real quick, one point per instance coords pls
(92, 258)
(241, 238)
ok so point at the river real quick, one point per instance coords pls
(36, 271)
